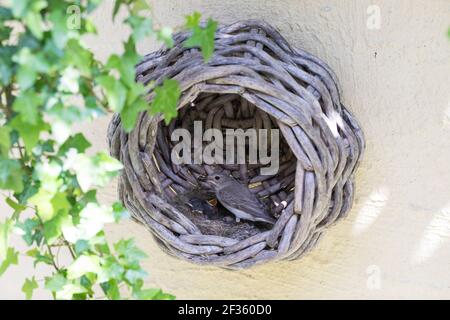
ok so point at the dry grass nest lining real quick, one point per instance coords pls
(254, 79)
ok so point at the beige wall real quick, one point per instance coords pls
(396, 80)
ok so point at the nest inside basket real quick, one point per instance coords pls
(255, 79)
(223, 112)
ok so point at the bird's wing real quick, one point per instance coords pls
(247, 201)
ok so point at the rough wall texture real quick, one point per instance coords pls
(396, 80)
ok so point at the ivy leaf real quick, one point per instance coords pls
(5, 140)
(83, 265)
(81, 246)
(27, 104)
(47, 200)
(60, 31)
(28, 287)
(18, 208)
(166, 99)
(39, 257)
(30, 64)
(113, 269)
(77, 141)
(135, 276)
(116, 8)
(69, 80)
(10, 259)
(125, 66)
(69, 291)
(92, 220)
(53, 228)
(139, 5)
(79, 57)
(129, 253)
(202, 37)
(115, 92)
(30, 231)
(94, 171)
(19, 8)
(11, 175)
(112, 289)
(29, 133)
(130, 113)
(141, 27)
(119, 212)
(55, 283)
(5, 230)
(193, 20)
(153, 294)
(165, 35)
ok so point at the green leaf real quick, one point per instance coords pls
(28, 287)
(56, 282)
(70, 291)
(6, 63)
(30, 64)
(125, 66)
(60, 31)
(120, 212)
(18, 208)
(5, 140)
(111, 289)
(79, 57)
(141, 26)
(135, 276)
(81, 246)
(92, 220)
(53, 227)
(39, 257)
(69, 80)
(27, 104)
(47, 200)
(129, 253)
(5, 13)
(94, 171)
(201, 37)
(10, 259)
(83, 265)
(11, 175)
(115, 92)
(116, 8)
(193, 20)
(130, 113)
(166, 99)
(5, 230)
(34, 22)
(30, 133)
(77, 141)
(152, 294)
(113, 269)
(31, 231)
(19, 7)
(139, 5)
(165, 35)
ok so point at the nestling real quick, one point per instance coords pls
(238, 199)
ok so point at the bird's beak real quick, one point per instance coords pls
(202, 178)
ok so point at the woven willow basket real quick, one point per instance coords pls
(254, 80)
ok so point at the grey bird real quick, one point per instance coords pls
(238, 199)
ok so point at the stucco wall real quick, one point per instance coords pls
(396, 80)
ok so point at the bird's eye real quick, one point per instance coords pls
(217, 178)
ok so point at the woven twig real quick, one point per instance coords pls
(254, 79)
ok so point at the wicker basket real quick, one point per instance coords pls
(255, 79)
